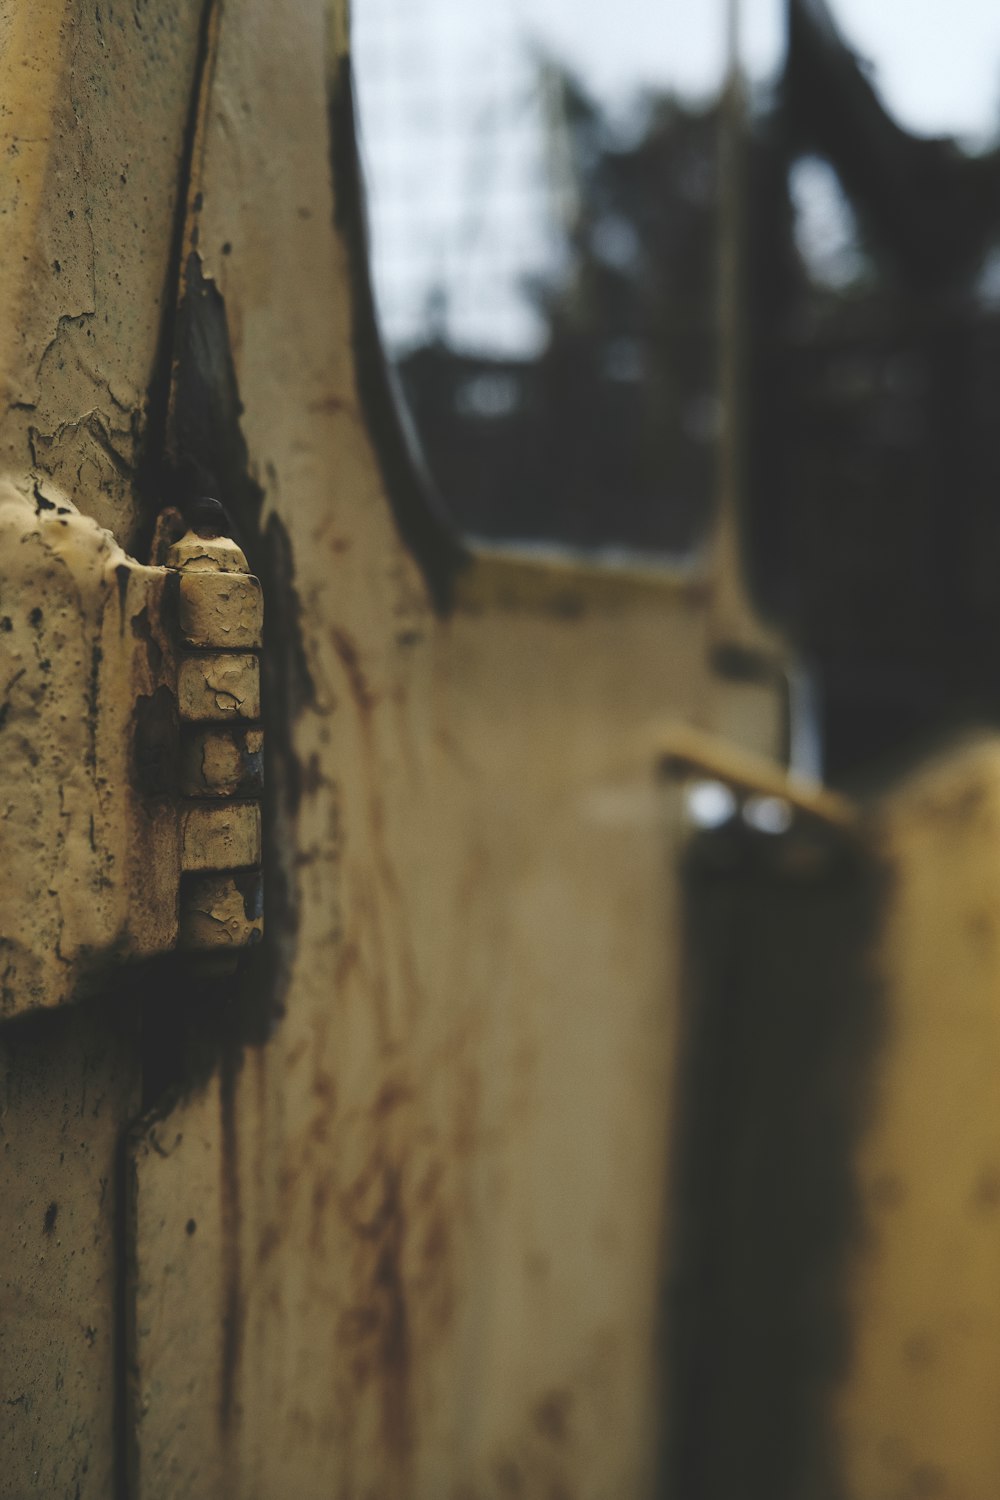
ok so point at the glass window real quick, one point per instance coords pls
(543, 184)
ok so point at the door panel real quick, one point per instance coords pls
(397, 1194)
(96, 104)
(435, 1198)
(69, 1080)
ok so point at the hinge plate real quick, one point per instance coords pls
(129, 728)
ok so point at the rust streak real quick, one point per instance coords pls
(350, 660)
(232, 1310)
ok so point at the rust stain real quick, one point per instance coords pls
(429, 1184)
(376, 1328)
(350, 660)
(324, 1087)
(433, 1283)
(312, 777)
(347, 961)
(509, 1477)
(298, 1051)
(331, 405)
(986, 1194)
(465, 1124)
(388, 883)
(233, 1302)
(393, 1093)
(260, 1071)
(377, 986)
(552, 1414)
(270, 1239)
(319, 1128)
(322, 1192)
(437, 1241)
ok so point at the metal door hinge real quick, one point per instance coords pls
(131, 746)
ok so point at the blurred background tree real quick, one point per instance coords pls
(606, 438)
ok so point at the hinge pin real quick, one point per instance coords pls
(220, 618)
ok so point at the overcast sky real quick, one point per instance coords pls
(937, 62)
(453, 135)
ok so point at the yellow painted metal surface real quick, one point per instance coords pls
(916, 1414)
(687, 752)
(91, 856)
(95, 105)
(431, 1210)
(103, 685)
(413, 1242)
(67, 1081)
(88, 201)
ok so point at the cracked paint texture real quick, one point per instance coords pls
(90, 866)
(86, 252)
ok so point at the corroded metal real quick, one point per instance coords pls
(221, 620)
(220, 836)
(91, 842)
(96, 654)
(218, 686)
(93, 129)
(223, 912)
(222, 610)
(221, 761)
(431, 1209)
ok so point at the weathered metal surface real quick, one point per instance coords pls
(690, 752)
(202, 551)
(434, 1201)
(94, 108)
(95, 105)
(179, 1220)
(222, 911)
(222, 762)
(916, 1413)
(213, 686)
(220, 836)
(96, 839)
(221, 609)
(91, 854)
(67, 1082)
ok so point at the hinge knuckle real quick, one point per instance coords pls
(221, 687)
(221, 761)
(221, 914)
(221, 624)
(221, 609)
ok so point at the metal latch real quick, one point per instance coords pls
(130, 819)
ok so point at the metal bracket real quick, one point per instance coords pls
(132, 752)
(684, 752)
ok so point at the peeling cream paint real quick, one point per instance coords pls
(91, 140)
(71, 674)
